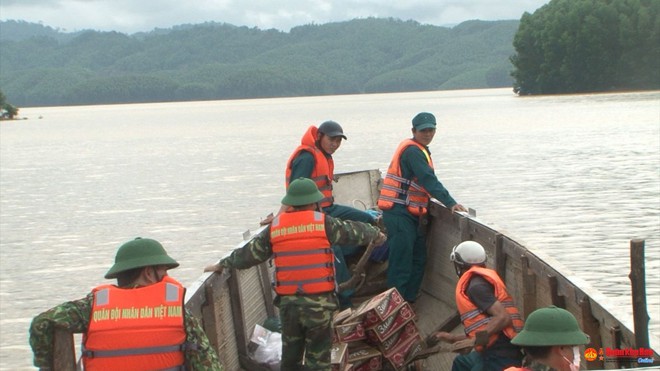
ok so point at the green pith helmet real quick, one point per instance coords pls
(550, 326)
(302, 191)
(140, 252)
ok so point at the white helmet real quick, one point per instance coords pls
(468, 253)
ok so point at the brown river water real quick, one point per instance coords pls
(576, 177)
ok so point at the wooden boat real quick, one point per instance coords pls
(231, 304)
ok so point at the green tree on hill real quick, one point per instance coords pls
(572, 46)
(8, 110)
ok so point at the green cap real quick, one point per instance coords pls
(423, 120)
(140, 252)
(302, 191)
(550, 326)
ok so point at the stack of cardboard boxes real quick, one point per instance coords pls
(380, 334)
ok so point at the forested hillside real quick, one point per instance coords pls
(43, 66)
(578, 46)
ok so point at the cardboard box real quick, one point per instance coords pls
(408, 332)
(366, 359)
(377, 308)
(403, 353)
(339, 356)
(341, 316)
(357, 345)
(380, 331)
(349, 332)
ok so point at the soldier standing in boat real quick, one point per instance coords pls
(139, 324)
(408, 185)
(299, 241)
(485, 306)
(313, 159)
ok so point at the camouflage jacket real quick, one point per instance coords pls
(532, 365)
(339, 232)
(74, 316)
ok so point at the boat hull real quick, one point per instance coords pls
(231, 304)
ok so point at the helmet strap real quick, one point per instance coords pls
(458, 268)
(154, 271)
(575, 364)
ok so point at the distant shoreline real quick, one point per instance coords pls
(13, 119)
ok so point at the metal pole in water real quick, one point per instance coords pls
(638, 281)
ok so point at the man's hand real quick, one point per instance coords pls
(217, 268)
(380, 239)
(269, 219)
(458, 207)
(441, 336)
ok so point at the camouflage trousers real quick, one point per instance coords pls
(307, 331)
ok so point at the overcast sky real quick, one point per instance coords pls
(130, 16)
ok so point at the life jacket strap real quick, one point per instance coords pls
(303, 267)
(137, 351)
(477, 324)
(398, 178)
(300, 283)
(302, 252)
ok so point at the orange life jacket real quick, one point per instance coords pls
(399, 190)
(324, 166)
(518, 369)
(473, 319)
(302, 254)
(136, 329)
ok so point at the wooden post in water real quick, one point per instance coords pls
(638, 281)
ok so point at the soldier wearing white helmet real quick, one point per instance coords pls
(467, 254)
(485, 306)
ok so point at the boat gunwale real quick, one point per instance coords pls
(568, 285)
(221, 304)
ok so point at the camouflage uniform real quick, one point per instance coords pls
(532, 365)
(74, 316)
(306, 319)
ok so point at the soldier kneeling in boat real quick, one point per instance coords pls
(485, 306)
